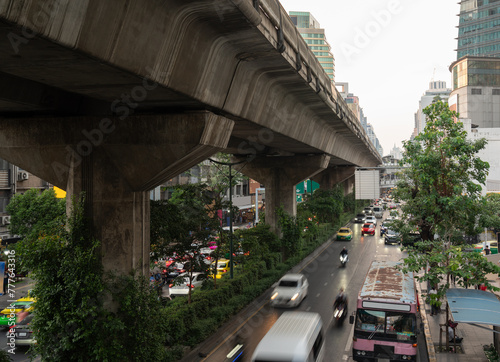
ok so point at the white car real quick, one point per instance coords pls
(290, 291)
(371, 219)
(180, 284)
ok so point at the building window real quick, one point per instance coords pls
(496, 92)
(476, 91)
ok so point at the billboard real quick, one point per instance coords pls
(367, 184)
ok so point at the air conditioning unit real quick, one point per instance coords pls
(22, 175)
(5, 220)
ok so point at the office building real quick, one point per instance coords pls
(436, 89)
(478, 28)
(352, 102)
(476, 90)
(315, 38)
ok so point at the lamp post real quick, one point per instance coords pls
(230, 164)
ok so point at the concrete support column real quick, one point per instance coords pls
(332, 176)
(280, 175)
(116, 162)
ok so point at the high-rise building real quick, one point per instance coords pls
(315, 38)
(476, 80)
(352, 102)
(476, 90)
(436, 89)
(478, 28)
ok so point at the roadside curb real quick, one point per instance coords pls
(431, 352)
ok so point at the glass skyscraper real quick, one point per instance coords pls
(479, 28)
(315, 38)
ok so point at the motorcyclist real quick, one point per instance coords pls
(344, 252)
(341, 299)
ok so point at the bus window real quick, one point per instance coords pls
(401, 324)
(370, 321)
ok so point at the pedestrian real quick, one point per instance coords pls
(487, 250)
(433, 300)
(165, 292)
(5, 280)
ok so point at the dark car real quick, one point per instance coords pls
(360, 218)
(392, 237)
(367, 211)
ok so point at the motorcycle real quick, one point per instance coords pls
(343, 260)
(339, 313)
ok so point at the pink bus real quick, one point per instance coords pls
(385, 324)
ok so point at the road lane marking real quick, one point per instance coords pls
(317, 295)
(326, 284)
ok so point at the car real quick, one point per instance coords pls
(368, 229)
(180, 285)
(392, 237)
(222, 268)
(367, 211)
(360, 218)
(378, 212)
(290, 291)
(371, 219)
(22, 332)
(15, 311)
(344, 234)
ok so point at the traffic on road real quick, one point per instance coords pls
(325, 278)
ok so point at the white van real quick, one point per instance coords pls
(378, 212)
(295, 337)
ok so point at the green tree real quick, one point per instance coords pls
(490, 214)
(327, 205)
(73, 318)
(291, 230)
(186, 229)
(34, 213)
(441, 182)
(440, 187)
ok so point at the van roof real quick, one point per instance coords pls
(289, 337)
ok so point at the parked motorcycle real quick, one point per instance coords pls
(343, 260)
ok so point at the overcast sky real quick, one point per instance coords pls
(388, 51)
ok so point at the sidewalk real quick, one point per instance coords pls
(474, 338)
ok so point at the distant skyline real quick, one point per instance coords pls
(388, 51)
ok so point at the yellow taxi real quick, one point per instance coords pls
(344, 234)
(222, 268)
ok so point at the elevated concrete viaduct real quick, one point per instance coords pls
(114, 97)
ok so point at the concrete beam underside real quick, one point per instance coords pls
(280, 175)
(329, 178)
(115, 163)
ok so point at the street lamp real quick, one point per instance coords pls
(230, 164)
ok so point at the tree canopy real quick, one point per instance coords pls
(440, 190)
(35, 212)
(442, 177)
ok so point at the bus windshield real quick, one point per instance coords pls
(393, 325)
